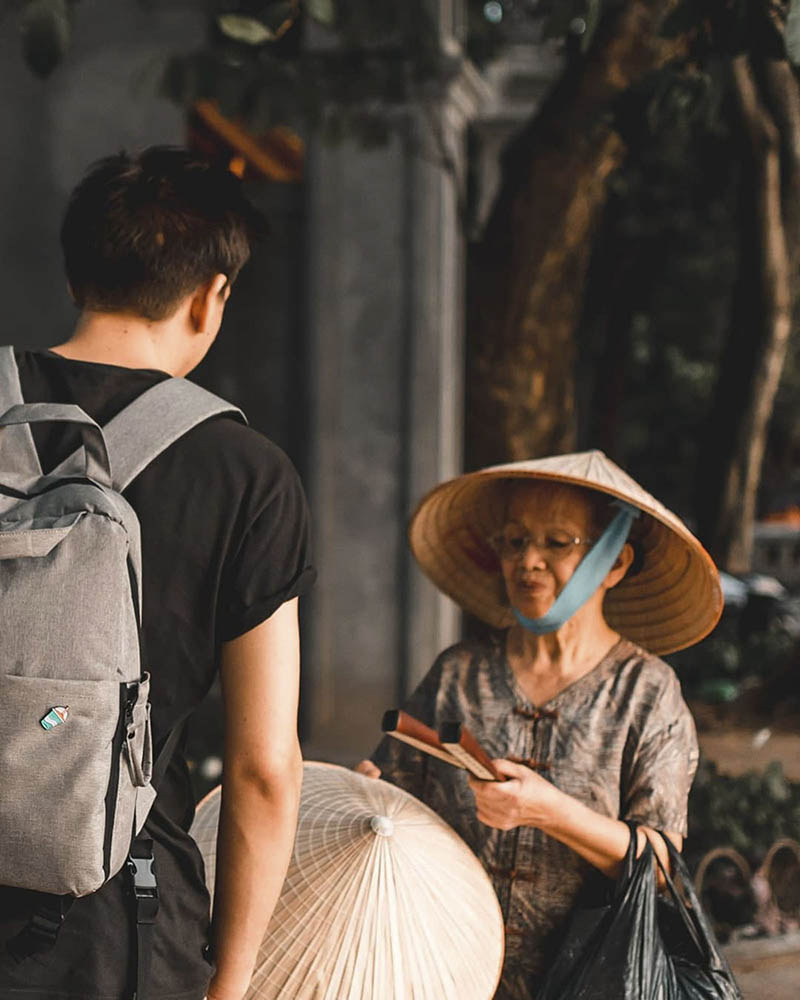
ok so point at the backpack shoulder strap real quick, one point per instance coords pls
(152, 422)
(19, 452)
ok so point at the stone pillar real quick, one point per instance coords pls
(356, 325)
(385, 322)
(436, 342)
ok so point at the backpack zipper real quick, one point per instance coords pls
(127, 698)
(65, 481)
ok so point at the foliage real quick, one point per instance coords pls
(749, 812)
(781, 476)
(271, 59)
(656, 305)
(244, 34)
(336, 64)
(769, 27)
(672, 227)
(735, 659)
(495, 23)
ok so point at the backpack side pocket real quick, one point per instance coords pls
(136, 768)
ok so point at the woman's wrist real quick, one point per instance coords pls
(544, 808)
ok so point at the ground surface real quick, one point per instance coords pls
(745, 749)
(768, 969)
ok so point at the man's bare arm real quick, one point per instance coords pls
(260, 792)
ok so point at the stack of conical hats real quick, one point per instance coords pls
(673, 601)
(382, 900)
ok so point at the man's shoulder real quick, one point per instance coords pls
(225, 432)
(223, 446)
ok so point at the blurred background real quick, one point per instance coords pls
(500, 229)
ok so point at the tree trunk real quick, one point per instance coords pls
(731, 462)
(526, 277)
(612, 298)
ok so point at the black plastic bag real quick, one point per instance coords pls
(642, 944)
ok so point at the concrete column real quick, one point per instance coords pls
(385, 322)
(357, 318)
(436, 342)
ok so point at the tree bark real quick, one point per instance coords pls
(526, 277)
(767, 300)
(603, 337)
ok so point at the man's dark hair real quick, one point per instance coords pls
(142, 232)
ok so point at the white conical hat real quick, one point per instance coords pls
(382, 900)
(673, 601)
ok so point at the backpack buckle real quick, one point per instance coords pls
(144, 886)
(144, 877)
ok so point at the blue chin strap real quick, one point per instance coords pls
(591, 572)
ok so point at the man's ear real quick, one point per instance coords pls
(208, 304)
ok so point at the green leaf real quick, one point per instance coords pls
(46, 31)
(588, 23)
(241, 28)
(323, 11)
(775, 782)
(270, 23)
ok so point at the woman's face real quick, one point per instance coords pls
(550, 517)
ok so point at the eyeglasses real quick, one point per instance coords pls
(511, 543)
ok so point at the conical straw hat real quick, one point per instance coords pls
(382, 900)
(672, 602)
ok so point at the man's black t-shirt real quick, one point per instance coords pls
(225, 542)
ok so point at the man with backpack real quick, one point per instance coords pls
(152, 245)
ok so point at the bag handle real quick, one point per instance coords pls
(629, 860)
(97, 463)
(20, 458)
(697, 915)
(152, 422)
(692, 921)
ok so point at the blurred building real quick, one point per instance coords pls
(344, 339)
(776, 550)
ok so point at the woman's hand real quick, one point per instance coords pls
(368, 769)
(527, 799)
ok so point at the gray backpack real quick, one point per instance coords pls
(76, 756)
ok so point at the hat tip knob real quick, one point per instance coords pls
(381, 826)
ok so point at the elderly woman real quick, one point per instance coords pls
(588, 577)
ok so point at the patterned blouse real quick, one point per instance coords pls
(620, 739)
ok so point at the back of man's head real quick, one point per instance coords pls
(142, 232)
